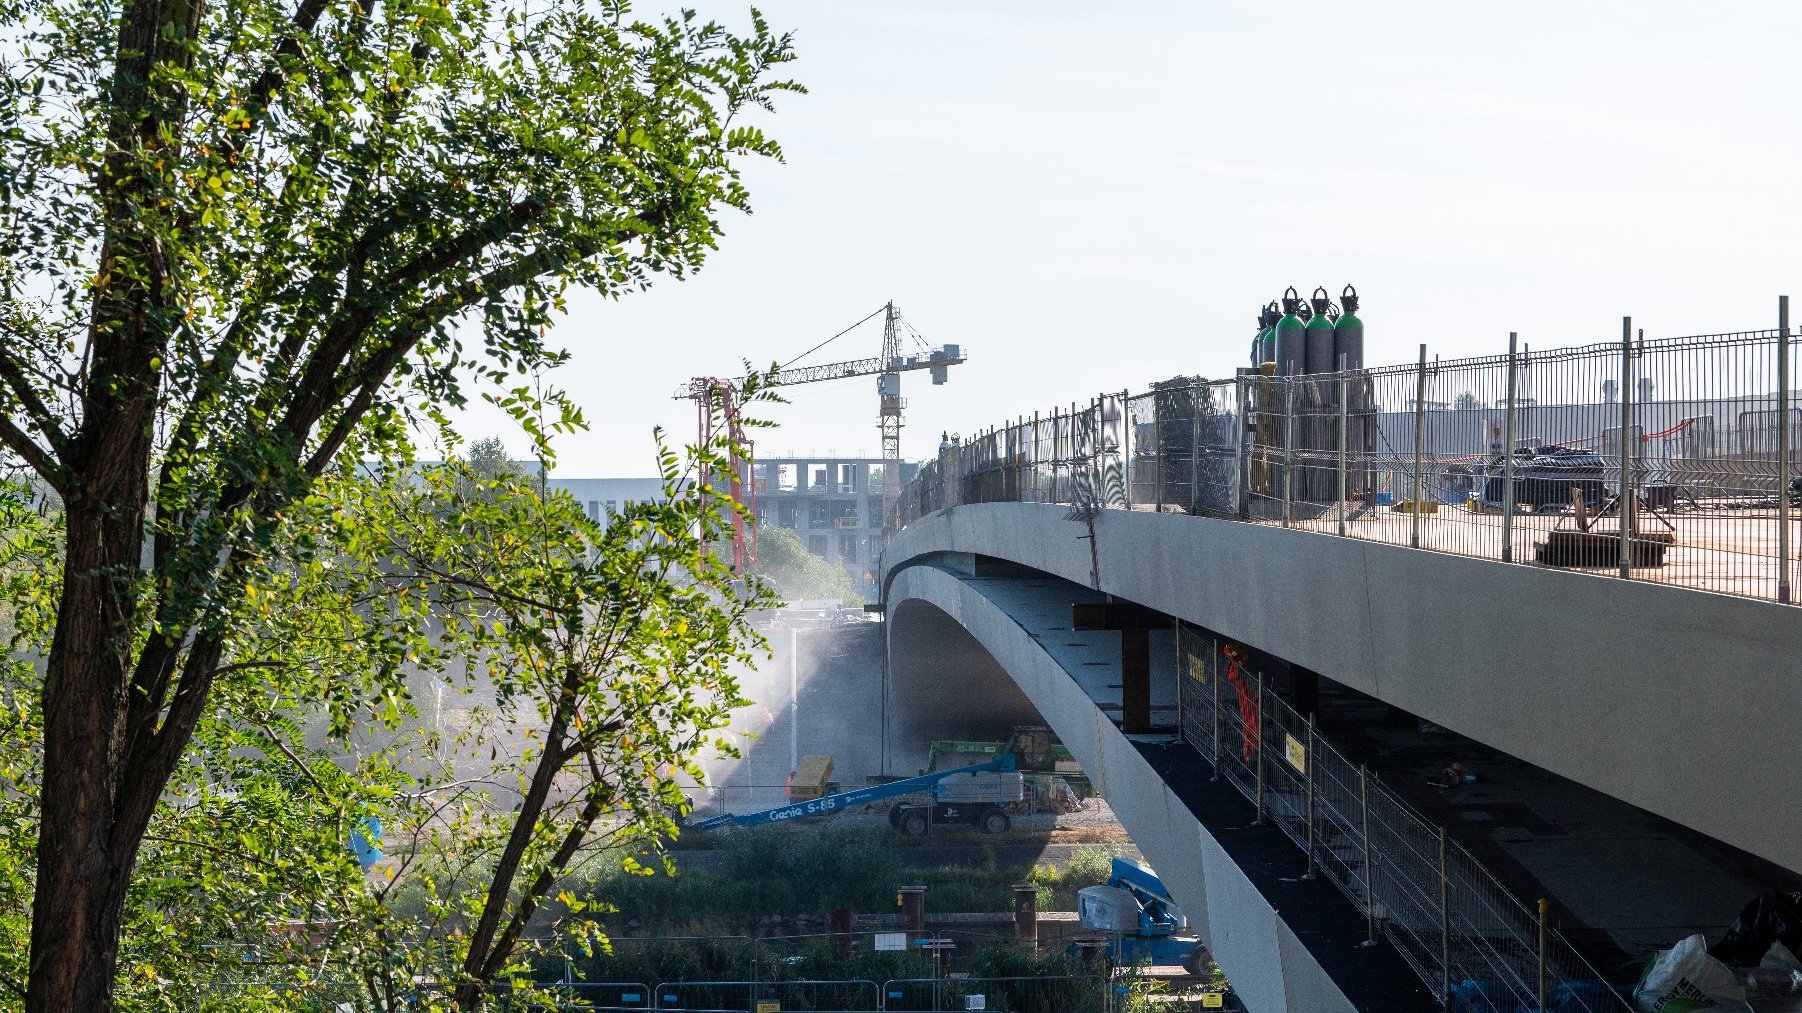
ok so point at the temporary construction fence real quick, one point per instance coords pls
(1659, 460)
(1092, 993)
(1473, 942)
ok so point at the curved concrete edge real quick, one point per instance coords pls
(1675, 700)
(1267, 963)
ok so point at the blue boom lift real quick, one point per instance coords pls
(983, 794)
(1142, 922)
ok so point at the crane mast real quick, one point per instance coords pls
(707, 392)
(888, 385)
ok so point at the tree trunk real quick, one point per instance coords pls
(82, 870)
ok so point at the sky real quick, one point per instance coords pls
(1093, 196)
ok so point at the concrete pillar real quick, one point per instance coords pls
(912, 901)
(838, 922)
(1026, 914)
(1135, 681)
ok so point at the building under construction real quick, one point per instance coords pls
(833, 503)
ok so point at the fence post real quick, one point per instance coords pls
(1370, 889)
(1420, 434)
(1258, 725)
(1195, 448)
(1623, 510)
(1157, 449)
(1288, 448)
(1308, 762)
(1214, 662)
(1445, 924)
(1241, 433)
(1097, 467)
(1783, 448)
(1344, 423)
(1541, 990)
(1508, 456)
(1128, 442)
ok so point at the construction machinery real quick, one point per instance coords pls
(715, 396)
(1142, 923)
(985, 795)
(1054, 781)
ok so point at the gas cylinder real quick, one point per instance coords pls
(1267, 334)
(1291, 336)
(1319, 357)
(1348, 334)
(1257, 341)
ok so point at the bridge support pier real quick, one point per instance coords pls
(1135, 623)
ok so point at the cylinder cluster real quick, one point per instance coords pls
(1297, 336)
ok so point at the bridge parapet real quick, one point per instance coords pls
(1659, 461)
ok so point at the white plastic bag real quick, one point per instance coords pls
(1775, 985)
(1685, 978)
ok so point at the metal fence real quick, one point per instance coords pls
(1468, 938)
(1659, 460)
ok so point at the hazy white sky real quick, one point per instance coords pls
(1091, 196)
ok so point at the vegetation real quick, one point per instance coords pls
(798, 574)
(784, 872)
(241, 243)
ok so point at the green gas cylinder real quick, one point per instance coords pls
(1291, 336)
(1348, 334)
(1318, 357)
(1267, 334)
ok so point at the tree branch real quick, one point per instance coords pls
(14, 374)
(33, 455)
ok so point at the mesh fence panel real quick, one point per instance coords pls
(1657, 460)
(1448, 916)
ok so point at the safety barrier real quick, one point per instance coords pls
(1474, 943)
(1654, 460)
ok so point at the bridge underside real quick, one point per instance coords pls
(1666, 698)
(1285, 943)
(1585, 696)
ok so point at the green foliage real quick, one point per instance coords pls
(797, 573)
(1093, 864)
(766, 871)
(611, 646)
(241, 242)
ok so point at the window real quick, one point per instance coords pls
(594, 509)
(816, 544)
(847, 548)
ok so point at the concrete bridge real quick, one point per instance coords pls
(1640, 773)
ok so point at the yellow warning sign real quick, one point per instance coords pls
(1213, 1000)
(769, 1007)
(1198, 668)
(1296, 752)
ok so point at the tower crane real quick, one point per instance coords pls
(711, 394)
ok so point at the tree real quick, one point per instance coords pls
(796, 572)
(238, 238)
(1466, 402)
(605, 652)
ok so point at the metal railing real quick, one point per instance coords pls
(1472, 941)
(1654, 460)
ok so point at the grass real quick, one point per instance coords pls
(787, 872)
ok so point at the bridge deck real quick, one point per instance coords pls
(1625, 880)
(1724, 552)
